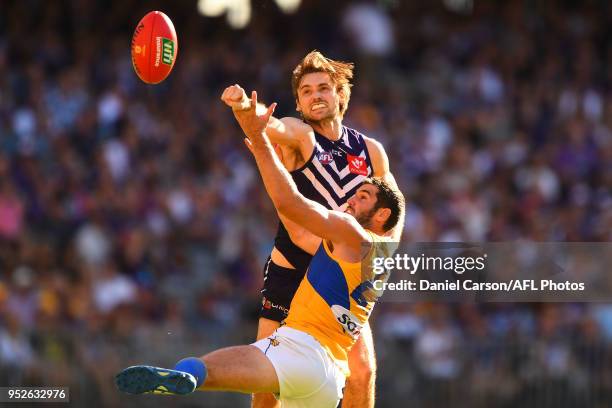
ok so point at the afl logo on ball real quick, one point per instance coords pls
(325, 157)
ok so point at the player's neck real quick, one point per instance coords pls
(376, 229)
(330, 128)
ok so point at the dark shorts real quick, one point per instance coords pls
(280, 284)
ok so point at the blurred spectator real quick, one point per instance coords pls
(111, 289)
(132, 217)
(11, 211)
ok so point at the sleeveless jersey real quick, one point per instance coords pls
(330, 177)
(335, 298)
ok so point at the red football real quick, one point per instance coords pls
(154, 47)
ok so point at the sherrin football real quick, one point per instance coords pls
(154, 47)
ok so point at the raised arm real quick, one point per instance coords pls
(331, 225)
(380, 163)
(287, 131)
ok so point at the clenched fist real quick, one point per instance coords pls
(236, 98)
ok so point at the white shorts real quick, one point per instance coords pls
(307, 375)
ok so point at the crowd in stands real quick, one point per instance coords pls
(134, 226)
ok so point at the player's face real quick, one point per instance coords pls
(361, 205)
(317, 97)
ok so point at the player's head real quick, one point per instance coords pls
(376, 205)
(321, 87)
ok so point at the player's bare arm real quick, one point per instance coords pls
(331, 225)
(303, 238)
(296, 137)
(380, 164)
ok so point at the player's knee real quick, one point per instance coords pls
(363, 369)
(362, 361)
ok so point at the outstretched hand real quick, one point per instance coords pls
(254, 124)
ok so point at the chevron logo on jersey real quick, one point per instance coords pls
(335, 170)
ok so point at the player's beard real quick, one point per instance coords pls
(364, 218)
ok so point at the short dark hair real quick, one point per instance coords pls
(387, 197)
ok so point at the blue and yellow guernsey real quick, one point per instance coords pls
(335, 299)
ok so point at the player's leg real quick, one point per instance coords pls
(360, 386)
(239, 369)
(280, 284)
(266, 327)
(266, 400)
